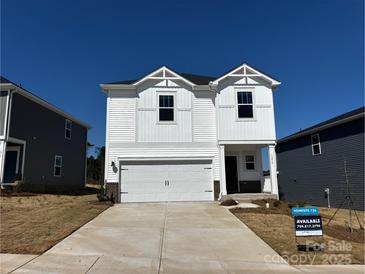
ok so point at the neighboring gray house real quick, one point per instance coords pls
(40, 145)
(314, 159)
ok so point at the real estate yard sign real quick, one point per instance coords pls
(308, 226)
(307, 221)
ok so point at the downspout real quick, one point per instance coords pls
(106, 151)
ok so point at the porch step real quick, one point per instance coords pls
(249, 197)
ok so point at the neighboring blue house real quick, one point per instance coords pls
(41, 146)
(314, 159)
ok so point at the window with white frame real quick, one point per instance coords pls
(250, 162)
(316, 144)
(244, 104)
(57, 171)
(166, 108)
(68, 129)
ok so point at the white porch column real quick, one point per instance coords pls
(273, 170)
(2, 159)
(223, 187)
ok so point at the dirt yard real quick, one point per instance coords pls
(32, 223)
(276, 227)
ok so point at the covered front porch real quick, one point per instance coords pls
(12, 161)
(242, 171)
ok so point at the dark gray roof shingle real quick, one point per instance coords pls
(194, 78)
(324, 123)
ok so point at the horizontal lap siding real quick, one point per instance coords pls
(314, 173)
(162, 150)
(122, 117)
(204, 119)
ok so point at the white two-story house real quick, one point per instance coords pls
(181, 137)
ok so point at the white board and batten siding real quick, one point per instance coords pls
(260, 128)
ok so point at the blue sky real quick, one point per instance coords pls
(63, 50)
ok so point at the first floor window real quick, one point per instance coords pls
(244, 104)
(68, 129)
(250, 162)
(316, 145)
(57, 166)
(166, 108)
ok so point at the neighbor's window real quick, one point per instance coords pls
(316, 145)
(244, 104)
(57, 166)
(250, 162)
(166, 108)
(68, 129)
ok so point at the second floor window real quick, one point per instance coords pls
(166, 108)
(316, 145)
(68, 129)
(244, 104)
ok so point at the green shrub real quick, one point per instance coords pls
(102, 195)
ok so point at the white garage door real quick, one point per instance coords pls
(157, 181)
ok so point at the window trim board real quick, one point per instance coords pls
(165, 93)
(246, 119)
(55, 165)
(68, 129)
(316, 144)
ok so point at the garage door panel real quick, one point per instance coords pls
(187, 181)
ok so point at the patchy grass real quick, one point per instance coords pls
(276, 227)
(32, 223)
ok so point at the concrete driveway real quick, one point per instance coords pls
(160, 238)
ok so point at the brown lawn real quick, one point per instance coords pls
(276, 227)
(33, 223)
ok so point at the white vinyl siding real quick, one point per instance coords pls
(259, 128)
(204, 118)
(122, 116)
(150, 129)
(146, 150)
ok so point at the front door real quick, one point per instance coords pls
(231, 174)
(11, 165)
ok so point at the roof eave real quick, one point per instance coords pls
(107, 87)
(43, 103)
(323, 127)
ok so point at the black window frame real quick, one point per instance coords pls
(167, 109)
(247, 103)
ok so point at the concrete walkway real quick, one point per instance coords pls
(161, 238)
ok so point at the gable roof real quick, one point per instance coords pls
(3, 80)
(196, 80)
(340, 119)
(5, 83)
(254, 73)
